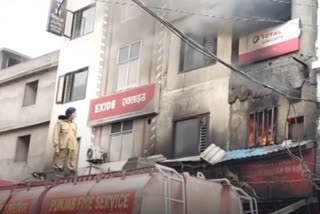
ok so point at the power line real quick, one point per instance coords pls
(209, 54)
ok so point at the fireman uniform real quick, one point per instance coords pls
(65, 144)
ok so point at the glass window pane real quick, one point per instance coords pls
(122, 76)
(123, 54)
(116, 127)
(115, 147)
(187, 138)
(67, 88)
(135, 50)
(133, 72)
(126, 146)
(127, 125)
(59, 98)
(87, 21)
(79, 85)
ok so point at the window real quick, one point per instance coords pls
(296, 128)
(30, 93)
(191, 136)
(128, 65)
(12, 62)
(191, 59)
(262, 127)
(129, 12)
(83, 22)
(121, 141)
(22, 149)
(9, 61)
(72, 86)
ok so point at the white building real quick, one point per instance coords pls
(80, 67)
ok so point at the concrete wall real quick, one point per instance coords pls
(193, 93)
(286, 75)
(22, 170)
(85, 51)
(18, 120)
(182, 95)
(140, 28)
(13, 113)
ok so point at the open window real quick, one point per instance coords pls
(22, 148)
(296, 128)
(79, 23)
(191, 59)
(30, 93)
(72, 86)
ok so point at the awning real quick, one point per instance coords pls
(214, 154)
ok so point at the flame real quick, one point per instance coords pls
(264, 139)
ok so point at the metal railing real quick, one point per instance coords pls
(243, 197)
(170, 175)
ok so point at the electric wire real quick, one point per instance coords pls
(305, 170)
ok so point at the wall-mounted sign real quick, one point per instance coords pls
(280, 177)
(270, 42)
(57, 17)
(124, 105)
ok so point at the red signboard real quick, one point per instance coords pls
(109, 203)
(131, 103)
(270, 42)
(279, 177)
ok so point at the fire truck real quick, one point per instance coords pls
(152, 190)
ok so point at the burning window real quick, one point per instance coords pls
(262, 127)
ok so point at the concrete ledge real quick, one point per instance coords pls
(24, 126)
(40, 64)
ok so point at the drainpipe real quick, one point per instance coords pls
(316, 70)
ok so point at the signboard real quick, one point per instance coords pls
(270, 42)
(110, 203)
(279, 177)
(124, 105)
(57, 17)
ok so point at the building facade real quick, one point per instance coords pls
(200, 101)
(160, 96)
(26, 97)
(81, 63)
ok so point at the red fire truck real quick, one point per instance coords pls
(153, 190)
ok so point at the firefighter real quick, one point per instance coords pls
(65, 142)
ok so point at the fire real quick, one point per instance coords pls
(261, 129)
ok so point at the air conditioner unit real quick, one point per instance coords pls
(95, 155)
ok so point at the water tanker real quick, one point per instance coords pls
(154, 190)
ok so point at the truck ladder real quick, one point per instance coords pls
(170, 176)
(243, 196)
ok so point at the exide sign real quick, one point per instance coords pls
(124, 105)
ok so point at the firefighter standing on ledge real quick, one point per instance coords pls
(65, 142)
